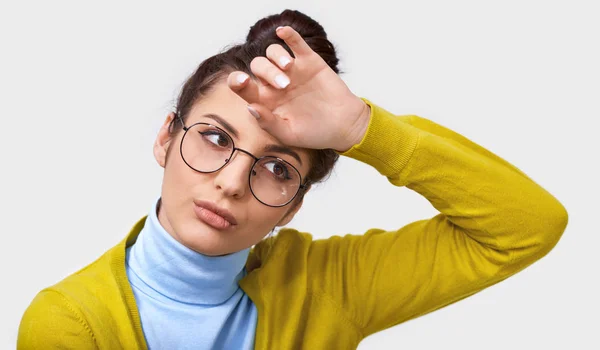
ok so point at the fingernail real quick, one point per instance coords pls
(276, 29)
(282, 81)
(253, 112)
(284, 61)
(242, 77)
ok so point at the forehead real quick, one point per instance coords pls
(233, 109)
(222, 99)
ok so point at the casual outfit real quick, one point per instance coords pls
(294, 292)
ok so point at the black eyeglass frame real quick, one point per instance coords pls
(301, 187)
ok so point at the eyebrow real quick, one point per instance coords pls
(224, 123)
(267, 148)
(284, 150)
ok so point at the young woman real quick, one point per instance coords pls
(254, 127)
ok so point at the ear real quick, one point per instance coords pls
(162, 142)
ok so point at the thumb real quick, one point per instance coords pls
(271, 123)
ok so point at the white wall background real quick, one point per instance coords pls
(84, 87)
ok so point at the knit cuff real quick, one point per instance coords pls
(388, 143)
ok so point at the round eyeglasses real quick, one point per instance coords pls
(206, 148)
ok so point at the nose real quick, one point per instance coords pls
(232, 179)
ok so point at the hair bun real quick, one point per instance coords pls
(262, 34)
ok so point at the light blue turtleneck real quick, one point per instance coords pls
(188, 300)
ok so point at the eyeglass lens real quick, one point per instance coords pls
(207, 148)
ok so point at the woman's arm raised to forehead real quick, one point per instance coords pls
(494, 221)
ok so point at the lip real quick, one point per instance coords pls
(222, 212)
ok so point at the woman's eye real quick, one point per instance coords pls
(216, 138)
(278, 169)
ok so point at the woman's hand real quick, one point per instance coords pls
(301, 101)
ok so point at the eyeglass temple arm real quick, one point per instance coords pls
(178, 116)
(305, 185)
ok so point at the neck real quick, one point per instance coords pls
(180, 273)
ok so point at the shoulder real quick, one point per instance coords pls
(91, 308)
(294, 244)
(287, 241)
(94, 279)
(60, 315)
(51, 320)
(292, 250)
(102, 279)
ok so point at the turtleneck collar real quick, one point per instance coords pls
(180, 273)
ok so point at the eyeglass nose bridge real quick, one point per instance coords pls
(302, 186)
(256, 159)
(243, 151)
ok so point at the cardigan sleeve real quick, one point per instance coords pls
(51, 322)
(493, 221)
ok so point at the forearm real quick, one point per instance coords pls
(491, 200)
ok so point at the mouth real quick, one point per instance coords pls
(213, 215)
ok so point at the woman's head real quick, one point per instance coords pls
(206, 98)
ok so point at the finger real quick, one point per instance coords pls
(276, 53)
(241, 83)
(263, 68)
(294, 40)
(271, 123)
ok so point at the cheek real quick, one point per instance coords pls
(179, 180)
(175, 173)
(262, 219)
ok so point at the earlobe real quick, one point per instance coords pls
(162, 142)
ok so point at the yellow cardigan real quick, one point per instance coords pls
(330, 293)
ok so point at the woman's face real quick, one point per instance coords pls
(183, 188)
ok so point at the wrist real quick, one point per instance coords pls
(359, 129)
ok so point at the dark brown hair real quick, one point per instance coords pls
(238, 58)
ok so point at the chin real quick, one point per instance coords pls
(204, 239)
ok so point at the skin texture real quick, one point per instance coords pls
(312, 94)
